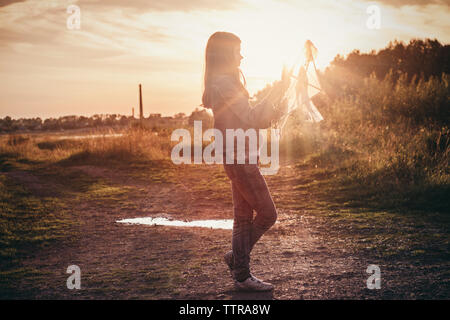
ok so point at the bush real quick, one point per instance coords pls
(388, 138)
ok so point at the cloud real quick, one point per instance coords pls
(101, 30)
(166, 5)
(4, 3)
(421, 3)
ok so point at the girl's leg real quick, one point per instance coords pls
(249, 192)
(241, 241)
(253, 188)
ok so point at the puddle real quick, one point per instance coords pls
(213, 224)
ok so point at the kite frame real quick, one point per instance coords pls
(282, 121)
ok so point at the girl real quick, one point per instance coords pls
(229, 100)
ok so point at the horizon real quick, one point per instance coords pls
(52, 71)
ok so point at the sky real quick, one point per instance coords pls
(50, 70)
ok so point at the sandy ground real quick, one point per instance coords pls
(302, 255)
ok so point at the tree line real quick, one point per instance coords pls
(416, 61)
(8, 125)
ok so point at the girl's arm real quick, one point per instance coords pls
(259, 116)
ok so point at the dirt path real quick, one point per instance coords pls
(300, 255)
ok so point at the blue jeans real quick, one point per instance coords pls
(250, 193)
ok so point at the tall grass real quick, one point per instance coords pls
(133, 145)
(389, 140)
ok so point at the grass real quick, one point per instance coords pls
(378, 169)
(385, 146)
(367, 224)
(27, 223)
(134, 144)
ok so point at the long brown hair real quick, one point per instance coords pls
(219, 59)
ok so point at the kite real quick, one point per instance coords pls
(305, 85)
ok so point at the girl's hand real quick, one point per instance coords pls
(283, 106)
(281, 109)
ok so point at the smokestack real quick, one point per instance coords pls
(141, 109)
